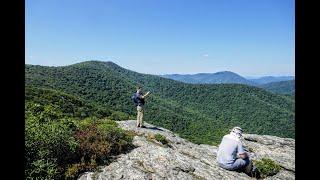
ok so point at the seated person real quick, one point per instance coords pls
(231, 154)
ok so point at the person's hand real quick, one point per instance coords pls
(243, 155)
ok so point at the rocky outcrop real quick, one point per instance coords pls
(181, 159)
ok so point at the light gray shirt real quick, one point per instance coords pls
(229, 148)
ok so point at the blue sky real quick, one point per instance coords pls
(249, 37)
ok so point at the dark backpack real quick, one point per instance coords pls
(134, 98)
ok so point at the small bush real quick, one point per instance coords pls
(42, 169)
(98, 140)
(60, 147)
(119, 116)
(86, 123)
(161, 139)
(267, 167)
(74, 170)
(49, 144)
(92, 144)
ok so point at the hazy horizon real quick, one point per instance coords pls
(247, 77)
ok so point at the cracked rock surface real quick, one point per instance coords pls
(184, 160)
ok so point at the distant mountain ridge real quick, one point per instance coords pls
(270, 79)
(223, 77)
(226, 77)
(276, 84)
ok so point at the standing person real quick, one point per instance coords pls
(139, 99)
(231, 154)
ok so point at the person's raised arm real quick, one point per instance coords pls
(146, 94)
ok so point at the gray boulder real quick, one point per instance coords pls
(181, 159)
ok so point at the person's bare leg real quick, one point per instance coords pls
(141, 118)
(138, 116)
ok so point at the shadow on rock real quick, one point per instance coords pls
(154, 128)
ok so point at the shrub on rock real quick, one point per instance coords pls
(267, 167)
(161, 138)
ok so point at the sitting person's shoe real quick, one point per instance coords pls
(143, 126)
(255, 172)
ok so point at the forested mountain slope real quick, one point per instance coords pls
(201, 113)
(282, 87)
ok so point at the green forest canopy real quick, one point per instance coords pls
(202, 113)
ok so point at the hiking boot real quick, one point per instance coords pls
(143, 126)
(255, 172)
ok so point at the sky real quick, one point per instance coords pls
(248, 37)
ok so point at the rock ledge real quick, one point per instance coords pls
(185, 160)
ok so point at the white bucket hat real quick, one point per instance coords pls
(237, 130)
